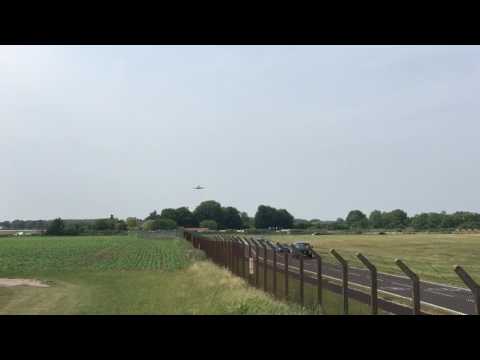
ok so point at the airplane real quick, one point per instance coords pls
(198, 187)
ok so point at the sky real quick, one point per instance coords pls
(89, 131)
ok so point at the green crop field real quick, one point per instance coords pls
(122, 275)
(432, 256)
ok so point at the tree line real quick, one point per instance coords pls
(212, 215)
(107, 226)
(208, 214)
(396, 220)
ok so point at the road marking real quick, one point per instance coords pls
(394, 288)
(381, 291)
(434, 291)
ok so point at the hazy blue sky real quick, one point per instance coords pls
(319, 130)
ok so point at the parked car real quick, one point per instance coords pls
(281, 248)
(302, 249)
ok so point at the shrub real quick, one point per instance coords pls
(165, 224)
(210, 224)
(159, 224)
(149, 225)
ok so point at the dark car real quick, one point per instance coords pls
(270, 245)
(302, 249)
(281, 248)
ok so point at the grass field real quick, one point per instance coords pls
(432, 256)
(123, 275)
(332, 302)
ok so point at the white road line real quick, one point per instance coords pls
(437, 293)
(382, 291)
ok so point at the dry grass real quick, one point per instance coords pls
(431, 255)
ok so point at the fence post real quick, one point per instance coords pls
(257, 263)
(302, 300)
(225, 253)
(472, 285)
(249, 259)
(344, 265)
(214, 248)
(222, 252)
(239, 267)
(243, 260)
(230, 254)
(265, 287)
(235, 256)
(415, 285)
(239, 251)
(286, 275)
(373, 287)
(218, 250)
(319, 278)
(274, 272)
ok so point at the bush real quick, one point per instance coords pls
(210, 224)
(165, 224)
(159, 224)
(149, 225)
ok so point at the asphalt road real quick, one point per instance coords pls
(459, 300)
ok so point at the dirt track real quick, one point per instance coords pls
(21, 282)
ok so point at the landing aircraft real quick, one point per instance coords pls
(198, 187)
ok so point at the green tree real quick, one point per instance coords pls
(132, 223)
(184, 217)
(165, 224)
(103, 224)
(420, 221)
(283, 219)
(209, 210)
(268, 217)
(357, 219)
(231, 218)
(153, 216)
(376, 219)
(121, 226)
(264, 217)
(301, 224)
(149, 225)
(73, 229)
(246, 220)
(209, 224)
(395, 219)
(434, 220)
(56, 227)
(169, 214)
